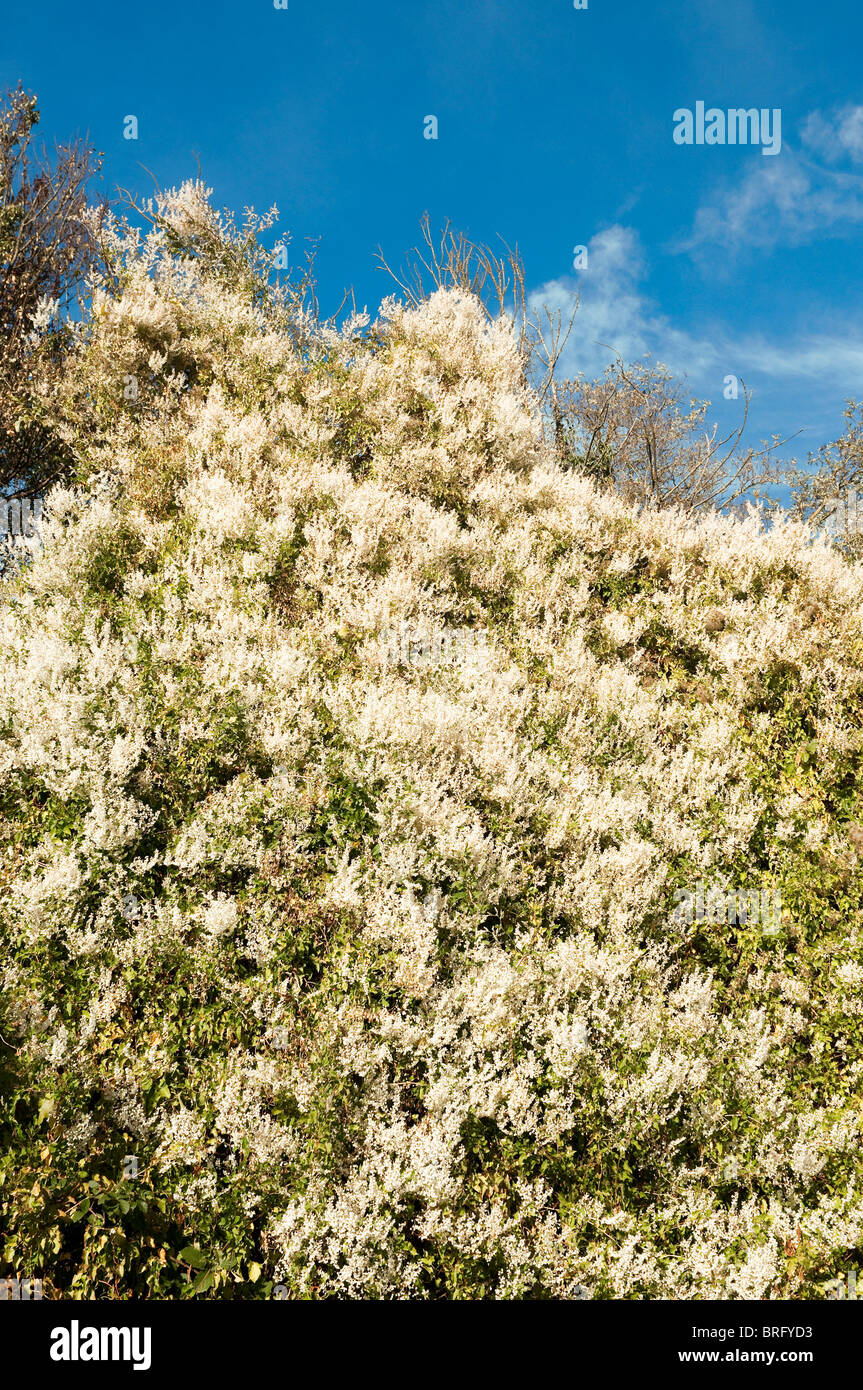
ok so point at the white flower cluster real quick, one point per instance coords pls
(403, 960)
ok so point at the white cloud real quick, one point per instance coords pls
(615, 315)
(823, 358)
(792, 199)
(837, 138)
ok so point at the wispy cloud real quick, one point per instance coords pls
(615, 315)
(797, 198)
(837, 137)
(822, 358)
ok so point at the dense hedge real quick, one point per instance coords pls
(329, 976)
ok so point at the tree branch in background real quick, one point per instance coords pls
(46, 251)
(634, 430)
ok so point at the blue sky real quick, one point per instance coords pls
(555, 129)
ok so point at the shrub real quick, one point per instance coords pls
(364, 978)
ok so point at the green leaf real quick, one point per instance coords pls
(191, 1256)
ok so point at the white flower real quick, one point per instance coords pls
(219, 916)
